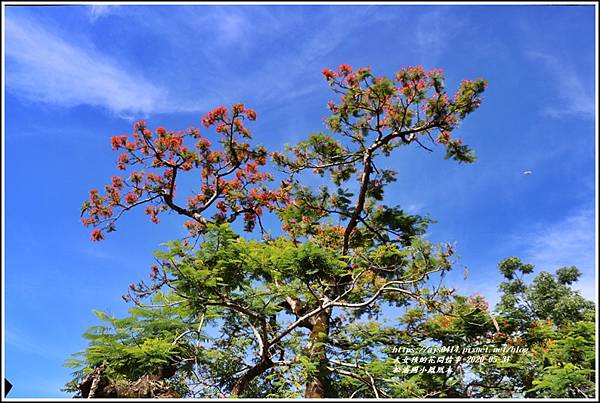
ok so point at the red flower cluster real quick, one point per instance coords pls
(251, 114)
(352, 79)
(152, 178)
(237, 108)
(192, 131)
(230, 177)
(123, 161)
(344, 69)
(114, 197)
(152, 211)
(329, 74)
(221, 128)
(131, 198)
(118, 141)
(97, 235)
(87, 221)
(203, 144)
(411, 73)
(169, 143)
(215, 115)
(363, 72)
(198, 200)
(194, 227)
(136, 177)
(139, 125)
(332, 106)
(436, 73)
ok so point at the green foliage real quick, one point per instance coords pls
(567, 275)
(558, 335)
(555, 325)
(144, 343)
(460, 152)
(510, 266)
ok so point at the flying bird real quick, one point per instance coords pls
(527, 172)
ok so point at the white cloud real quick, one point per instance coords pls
(43, 67)
(46, 66)
(569, 242)
(97, 11)
(574, 98)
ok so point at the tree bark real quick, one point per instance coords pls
(318, 385)
(360, 203)
(98, 385)
(240, 385)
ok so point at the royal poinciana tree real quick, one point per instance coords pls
(296, 313)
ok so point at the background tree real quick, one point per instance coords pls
(555, 324)
(544, 329)
(287, 316)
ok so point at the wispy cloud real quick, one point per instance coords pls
(46, 66)
(574, 97)
(96, 252)
(568, 242)
(43, 67)
(97, 11)
(300, 67)
(27, 344)
(434, 31)
(232, 27)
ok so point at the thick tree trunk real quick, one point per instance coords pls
(241, 384)
(98, 385)
(317, 385)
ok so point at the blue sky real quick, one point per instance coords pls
(77, 75)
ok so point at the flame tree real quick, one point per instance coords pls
(297, 313)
